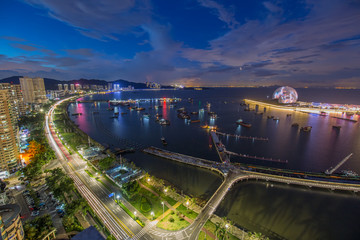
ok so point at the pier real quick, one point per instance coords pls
(346, 119)
(242, 137)
(220, 148)
(332, 170)
(256, 157)
(194, 161)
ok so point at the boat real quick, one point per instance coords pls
(336, 126)
(194, 113)
(146, 115)
(123, 113)
(181, 109)
(269, 117)
(195, 121)
(158, 115)
(349, 173)
(201, 110)
(164, 122)
(306, 128)
(211, 113)
(242, 123)
(163, 141)
(183, 115)
(247, 109)
(190, 100)
(116, 114)
(276, 118)
(259, 113)
(213, 116)
(295, 125)
(323, 114)
(209, 127)
(139, 109)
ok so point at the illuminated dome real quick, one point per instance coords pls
(285, 95)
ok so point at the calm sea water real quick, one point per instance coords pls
(318, 150)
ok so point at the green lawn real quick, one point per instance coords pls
(171, 201)
(146, 202)
(202, 236)
(177, 224)
(211, 227)
(187, 212)
(90, 174)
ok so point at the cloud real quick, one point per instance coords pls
(224, 14)
(85, 52)
(322, 43)
(25, 47)
(13, 39)
(98, 19)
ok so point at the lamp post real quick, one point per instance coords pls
(135, 214)
(152, 214)
(187, 205)
(162, 203)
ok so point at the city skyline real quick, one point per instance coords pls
(204, 42)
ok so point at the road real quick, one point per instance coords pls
(119, 223)
(122, 226)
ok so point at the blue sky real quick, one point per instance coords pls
(191, 42)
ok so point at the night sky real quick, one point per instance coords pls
(203, 42)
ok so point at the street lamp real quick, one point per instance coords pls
(148, 179)
(165, 190)
(187, 205)
(152, 214)
(162, 203)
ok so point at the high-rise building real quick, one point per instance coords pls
(66, 87)
(9, 152)
(16, 98)
(60, 87)
(110, 86)
(72, 88)
(33, 90)
(10, 223)
(78, 87)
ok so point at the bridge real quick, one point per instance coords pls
(220, 148)
(232, 174)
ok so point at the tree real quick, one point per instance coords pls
(60, 183)
(38, 227)
(106, 163)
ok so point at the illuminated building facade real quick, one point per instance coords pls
(285, 95)
(9, 152)
(11, 227)
(33, 90)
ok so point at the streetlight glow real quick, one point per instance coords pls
(118, 196)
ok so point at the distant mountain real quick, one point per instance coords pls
(52, 84)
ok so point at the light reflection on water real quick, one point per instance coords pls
(318, 150)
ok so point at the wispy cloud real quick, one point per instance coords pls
(226, 15)
(98, 19)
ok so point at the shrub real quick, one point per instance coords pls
(171, 219)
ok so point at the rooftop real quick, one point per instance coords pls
(9, 213)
